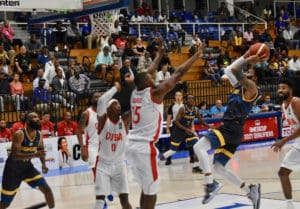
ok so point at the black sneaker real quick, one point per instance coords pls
(168, 161)
(210, 191)
(197, 170)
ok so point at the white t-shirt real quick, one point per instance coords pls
(160, 76)
(292, 65)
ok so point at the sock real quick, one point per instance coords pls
(99, 204)
(209, 179)
(169, 153)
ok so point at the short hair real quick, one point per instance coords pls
(139, 79)
(287, 81)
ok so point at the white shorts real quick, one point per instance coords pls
(291, 160)
(144, 167)
(92, 156)
(111, 178)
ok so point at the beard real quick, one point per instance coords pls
(282, 97)
(35, 125)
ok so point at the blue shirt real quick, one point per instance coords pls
(214, 110)
(102, 59)
(41, 59)
(40, 95)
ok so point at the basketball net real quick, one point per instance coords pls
(103, 21)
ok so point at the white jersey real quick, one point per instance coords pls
(146, 116)
(292, 121)
(113, 139)
(91, 130)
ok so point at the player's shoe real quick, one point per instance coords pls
(210, 191)
(254, 195)
(197, 170)
(168, 161)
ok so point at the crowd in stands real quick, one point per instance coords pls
(55, 86)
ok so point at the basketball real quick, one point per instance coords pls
(260, 49)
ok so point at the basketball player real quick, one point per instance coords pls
(146, 115)
(172, 112)
(111, 174)
(183, 130)
(291, 161)
(88, 124)
(226, 138)
(27, 144)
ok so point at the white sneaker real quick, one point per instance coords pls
(254, 195)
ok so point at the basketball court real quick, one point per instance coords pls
(179, 188)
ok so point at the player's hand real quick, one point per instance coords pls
(84, 155)
(44, 169)
(278, 145)
(118, 86)
(40, 153)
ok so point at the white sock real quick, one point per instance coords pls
(209, 179)
(229, 176)
(169, 153)
(99, 204)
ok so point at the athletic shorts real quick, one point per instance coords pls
(178, 136)
(225, 141)
(111, 177)
(291, 160)
(144, 165)
(16, 171)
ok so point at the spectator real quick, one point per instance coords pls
(19, 124)
(33, 46)
(223, 61)
(47, 127)
(136, 17)
(289, 38)
(115, 29)
(17, 94)
(294, 64)
(147, 18)
(50, 71)
(65, 158)
(223, 13)
(46, 36)
(71, 68)
(103, 62)
(40, 74)
(61, 93)
(88, 37)
(9, 34)
(59, 34)
(145, 8)
(248, 36)
(163, 74)
(115, 54)
(284, 15)
(23, 62)
(79, 83)
(266, 13)
(209, 73)
(121, 43)
(267, 105)
(238, 45)
(144, 64)
(4, 90)
(127, 71)
(139, 51)
(41, 99)
(270, 44)
(204, 112)
(255, 109)
(73, 34)
(5, 133)
(280, 25)
(173, 41)
(67, 127)
(6, 68)
(178, 29)
(218, 109)
(280, 43)
(43, 57)
(195, 43)
(163, 17)
(3, 54)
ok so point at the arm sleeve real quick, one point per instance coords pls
(104, 99)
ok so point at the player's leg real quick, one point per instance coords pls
(124, 201)
(102, 185)
(11, 181)
(284, 174)
(190, 142)
(34, 179)
(177, 136)
(148, 201)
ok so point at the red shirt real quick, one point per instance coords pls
(17, 126)
(46, 128)
(5, 135)
(63, 129)
(120, 44)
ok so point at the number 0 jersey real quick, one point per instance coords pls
(112, 138)
(146, 116)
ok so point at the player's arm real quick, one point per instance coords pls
(163, 88)
(81, 126)
(42, 149)
(200, 119)
(17, 145)
(106, 97)
(127, 120)
(154, 65)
